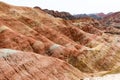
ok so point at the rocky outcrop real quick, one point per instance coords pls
(64, 15)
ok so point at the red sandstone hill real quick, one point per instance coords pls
(112, 21)
(81, 44)
(18, 65)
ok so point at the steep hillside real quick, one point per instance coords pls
(18, 65)
(83, 43)
(112, 21)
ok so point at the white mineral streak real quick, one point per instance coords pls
(107, 77)
(7, 52)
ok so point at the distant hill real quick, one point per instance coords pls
(97, 16)
(64, 15)
(68, 16)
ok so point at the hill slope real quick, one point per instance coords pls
(82, 42)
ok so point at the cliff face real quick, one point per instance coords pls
(83, 43)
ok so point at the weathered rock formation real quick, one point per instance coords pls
(18, 65)
(83, 43)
